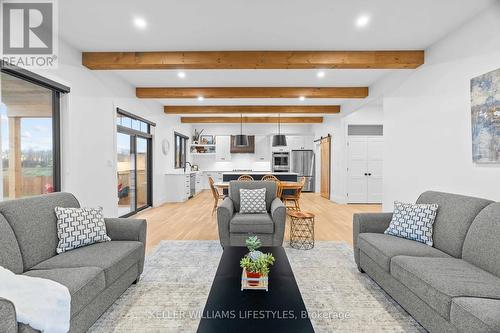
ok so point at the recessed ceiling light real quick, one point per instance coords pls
(362, 21)
(320, 74)
(201, 98)
(181, 75)
(140, 23)
(302, 98)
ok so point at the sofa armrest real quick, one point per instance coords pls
(278, 210)
(122, 229)
(225, 213)
(8, 319)
(368, 222)
(278, 214)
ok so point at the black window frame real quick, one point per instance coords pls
(146, 135)
(183, 145)
(57, 91)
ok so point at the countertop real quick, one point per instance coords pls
(181, 172)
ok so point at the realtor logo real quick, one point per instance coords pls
(28, 34)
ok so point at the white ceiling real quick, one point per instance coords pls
(97, 25)
(183, 25)
(254, 78)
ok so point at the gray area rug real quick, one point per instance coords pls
(178, 275)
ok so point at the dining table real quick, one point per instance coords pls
(282, 186)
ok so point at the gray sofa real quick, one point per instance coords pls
(96, 275)
(453, 286)
(235, 227)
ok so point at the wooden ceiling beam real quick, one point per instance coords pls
(248, 120)
(253, 92)
(254, 60)
(250, 109)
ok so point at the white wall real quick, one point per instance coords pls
(244, 161)
(337, 126)
(428, 121)
(89, 131)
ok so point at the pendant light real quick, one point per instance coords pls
(241, 140)
(280, 139)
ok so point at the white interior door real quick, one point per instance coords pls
(365, 160)
(375, 158)
(357, 184)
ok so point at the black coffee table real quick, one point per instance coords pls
(228, 309)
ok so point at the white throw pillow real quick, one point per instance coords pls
(77, 227)
(413, 221)
(253, 201)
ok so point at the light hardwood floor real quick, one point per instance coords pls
(192, 220)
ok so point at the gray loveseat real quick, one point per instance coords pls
(453, 286)
(96, 275)
(235, 227)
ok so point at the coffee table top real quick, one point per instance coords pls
(228, 309)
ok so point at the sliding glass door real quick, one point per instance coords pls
(134, 167)
(29, 133)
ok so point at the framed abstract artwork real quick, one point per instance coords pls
(485, 108)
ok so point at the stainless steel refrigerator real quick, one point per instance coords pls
(303, 164)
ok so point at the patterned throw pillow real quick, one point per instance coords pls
(253, 201)
(413, 221)
(77, 227)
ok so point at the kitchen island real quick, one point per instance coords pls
(257, 175)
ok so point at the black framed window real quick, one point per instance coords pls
(30, 133)
(134, 163)
(180, 142)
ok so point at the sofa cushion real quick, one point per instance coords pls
(84, 283)
(413, 221)
(454, 217)
(34, 223)
(251, 223)
(10, 254)
(382, 248)
(253, 201)
(235, 186)
(482, 243)
(437, 280)
(479, 315)
(113, 257)
(77, 227)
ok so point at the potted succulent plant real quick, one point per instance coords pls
(255, 263)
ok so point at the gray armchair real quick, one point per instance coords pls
(235, 227)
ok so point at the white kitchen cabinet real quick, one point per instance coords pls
(223, 148)
(262, 152)
(308, 142)
(294, 142)
(179, 187)
(300, 142)
(200, 182)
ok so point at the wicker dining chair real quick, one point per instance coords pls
(270, 178)
(245, 178)
(216, 194)
(295, 197)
